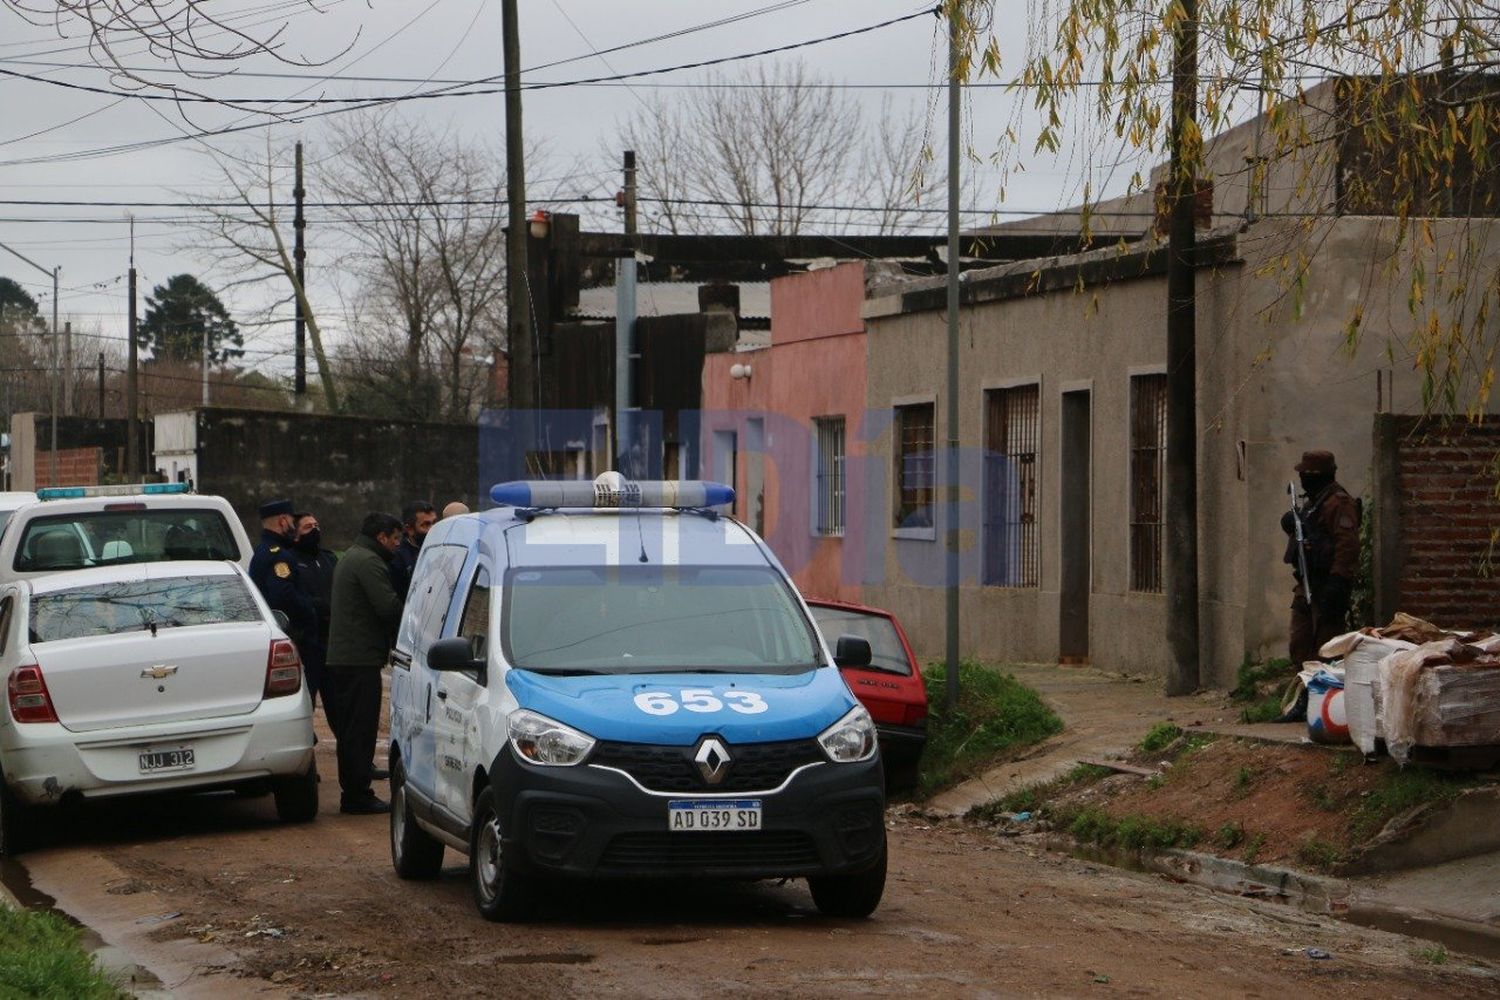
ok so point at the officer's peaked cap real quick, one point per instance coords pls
(275, 508)
(1318, 463)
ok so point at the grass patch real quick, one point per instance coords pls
(996, 715)
(1243, 779)
(40, 957)
(1432, 954)
(1253, 847)
(1318, 853)
(1230, 835)
(1258, 687)
(1092, 825)
(1159, 737)
(1401, 790)
(1033, 797)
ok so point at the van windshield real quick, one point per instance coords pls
(654, 619)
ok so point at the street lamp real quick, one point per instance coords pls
(54, 273)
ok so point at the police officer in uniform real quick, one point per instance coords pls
(273, 568)
(1330, 529)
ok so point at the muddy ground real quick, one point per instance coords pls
(218, 900)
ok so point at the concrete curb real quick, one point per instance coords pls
(1316, 893)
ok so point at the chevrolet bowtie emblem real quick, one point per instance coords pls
(160, 671)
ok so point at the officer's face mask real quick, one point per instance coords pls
(311, 541)
(1313, 482)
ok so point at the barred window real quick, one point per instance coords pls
(829, 475)
(916, 465)
(1011, 555)
(1148, 468)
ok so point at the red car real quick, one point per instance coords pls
(890, 688)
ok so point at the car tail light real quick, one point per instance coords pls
(283, 669)
(29, 700)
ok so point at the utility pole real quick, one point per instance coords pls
(523, 361)
(1181, 511)
(67, 386)
(950, 484)
(299, 255)
(205, 364)
(625, 275)
(132, 420)
(101, 385)
(56, 374)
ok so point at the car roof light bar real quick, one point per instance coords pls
(123, 490)
(613, 492)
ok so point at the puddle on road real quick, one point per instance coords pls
(1460, 939)
(545, 958)
(17, 881)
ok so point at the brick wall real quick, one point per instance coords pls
(75, 467)
(1448, 555)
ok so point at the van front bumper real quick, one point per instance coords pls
(590, 821)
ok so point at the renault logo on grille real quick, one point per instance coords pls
(712, 760)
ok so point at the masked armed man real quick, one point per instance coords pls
(1330, 529)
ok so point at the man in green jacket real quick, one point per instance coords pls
(365, 613)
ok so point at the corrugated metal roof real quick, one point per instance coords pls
(671, 298)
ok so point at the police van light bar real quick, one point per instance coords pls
(613, 493)
(129, 490)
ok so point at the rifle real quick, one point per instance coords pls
(1291, 490)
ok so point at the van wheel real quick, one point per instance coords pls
(500, 892)
(415, 854)
(13, 822)
(296, 796)
(854, 896)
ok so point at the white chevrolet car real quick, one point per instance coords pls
(142, 677)
(82, 527)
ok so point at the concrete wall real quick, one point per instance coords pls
(341, 468)
(1061, 341)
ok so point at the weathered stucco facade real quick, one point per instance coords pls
(1276, 376)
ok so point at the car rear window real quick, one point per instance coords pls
(133, 605)
(886, 652)
(645, 619)
(113, 537)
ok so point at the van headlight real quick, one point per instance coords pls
(850, 739)
(540, 740)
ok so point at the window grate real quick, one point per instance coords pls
(1148, 468)
(830, 475)
(916, 465)
(1012, 556)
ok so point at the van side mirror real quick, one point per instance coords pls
(851, 651)
(454, 655)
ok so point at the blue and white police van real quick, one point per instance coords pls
(612, 680)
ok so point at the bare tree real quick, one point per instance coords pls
(248, 243)
(767, 152)
(426, 213)
(194, 36)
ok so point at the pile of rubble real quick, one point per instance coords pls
(1412, 684)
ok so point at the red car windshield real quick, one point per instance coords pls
(886, 652)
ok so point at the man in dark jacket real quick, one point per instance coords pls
(315, 578)
(417, 518)
(365, 614)
(1330, 529)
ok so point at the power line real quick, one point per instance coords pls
(354, 104)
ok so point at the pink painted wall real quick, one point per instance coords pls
(815, 367)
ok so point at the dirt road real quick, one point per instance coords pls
(218, 900)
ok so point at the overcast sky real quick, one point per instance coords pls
(47, 132)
